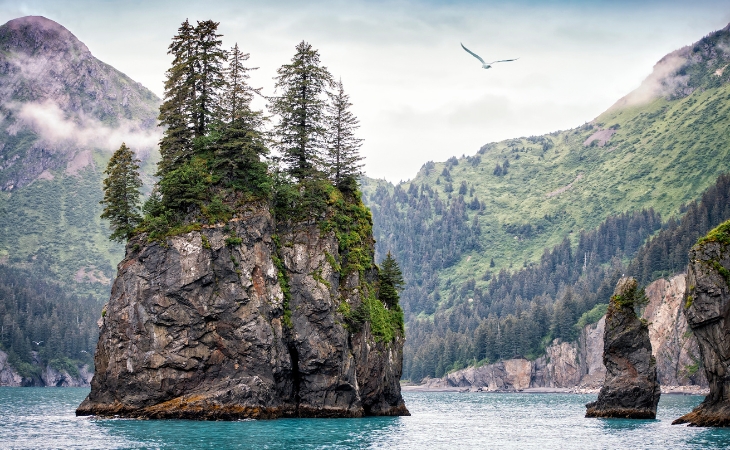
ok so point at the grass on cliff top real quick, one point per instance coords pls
(720, 234)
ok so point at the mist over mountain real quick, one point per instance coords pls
(62, 113)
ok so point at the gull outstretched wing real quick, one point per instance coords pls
(503, 60)
(472, 53)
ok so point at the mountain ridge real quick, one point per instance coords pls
(460, 224)
(63, 111)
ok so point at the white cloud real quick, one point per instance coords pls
(50, 123)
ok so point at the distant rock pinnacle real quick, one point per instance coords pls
(631, 389)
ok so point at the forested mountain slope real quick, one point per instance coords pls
(595, 193)
(63, 111)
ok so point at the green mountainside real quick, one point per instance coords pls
(63, 111)
(458, 223)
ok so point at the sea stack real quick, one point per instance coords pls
(631, 389)
(707, 307)
(247, 319)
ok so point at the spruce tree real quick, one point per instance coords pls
(241, 144)
(342, 158)
(192, 88)
(177, 110)
(209, 78)
(121, 194)
(391, 281)
(300, 106)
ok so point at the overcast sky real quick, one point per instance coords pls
(418, 95)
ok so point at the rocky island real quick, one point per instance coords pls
(631, 389)
(707, 307)
(210, 326)
(249, 288)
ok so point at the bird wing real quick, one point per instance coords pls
(473, 54)
(503, 60)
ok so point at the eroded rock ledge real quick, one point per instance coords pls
(202, 327)
(707, 307)
(631, 389)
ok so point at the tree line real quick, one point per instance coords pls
(519, 312)
(40, 324)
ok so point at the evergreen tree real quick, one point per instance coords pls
(240, 146)
(177, 112)
(391, 281)
(121, 193)
(300, 106)
(342, 159)
(191, 101)
(209, 75)
(237, 94)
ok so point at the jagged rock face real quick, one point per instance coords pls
(559, 368)
(504, 376)
(8, 375)
(631, 389)
(197, 329)
(707, 307)
(49, 376)
(565, 365)
(590, 346)
(675, 346)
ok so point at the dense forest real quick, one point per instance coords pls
(43, 325)
(518, 312)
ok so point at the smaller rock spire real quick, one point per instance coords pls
(631, 389)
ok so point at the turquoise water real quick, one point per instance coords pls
(35, 418)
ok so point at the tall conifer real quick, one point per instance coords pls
(121, 194)
(192, 88)
(342, 157)
(300, 132)
(177, 109)
(209, 80)
(241, 144)
(391, 281)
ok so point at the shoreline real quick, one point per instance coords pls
(665, 390)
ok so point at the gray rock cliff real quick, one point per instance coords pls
(707, 307)
(207, 326)
(631, 389)
(673, 344)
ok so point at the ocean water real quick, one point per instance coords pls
(43, 418)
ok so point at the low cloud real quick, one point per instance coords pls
(662, 82)
(53, 126)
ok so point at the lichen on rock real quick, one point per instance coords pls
(707, 308)
(631, 389)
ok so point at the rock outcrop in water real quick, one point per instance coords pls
(239, 321)
(579, 365)
(707, 307)
(631, 389)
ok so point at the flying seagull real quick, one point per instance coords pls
(486, 65)
(37, 342)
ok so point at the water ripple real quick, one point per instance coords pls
(43, 418)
